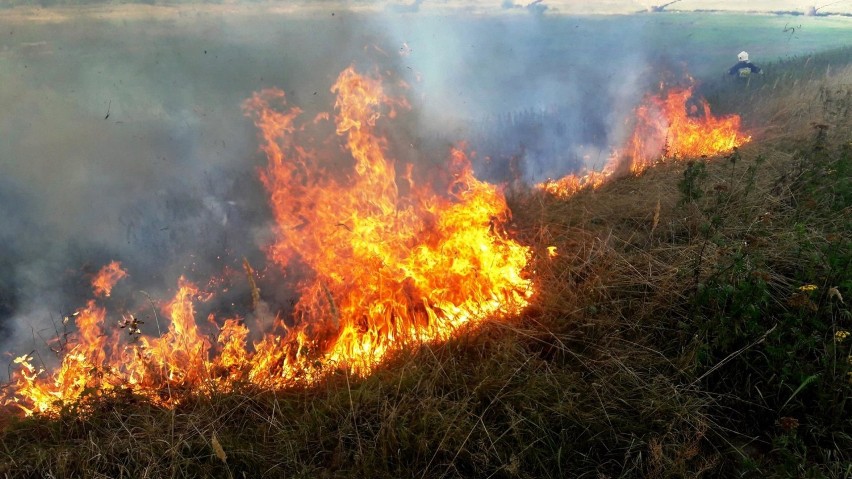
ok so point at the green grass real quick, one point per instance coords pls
(671, 337)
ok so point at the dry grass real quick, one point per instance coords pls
(783, 104)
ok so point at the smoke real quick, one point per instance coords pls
(124, 139)
(549, 94)
(127, 144)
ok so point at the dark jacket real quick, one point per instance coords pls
(743, 69)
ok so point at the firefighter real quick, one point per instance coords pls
(744, 68)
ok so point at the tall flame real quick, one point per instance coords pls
(673, 125)
(386, 268)
(380, 269)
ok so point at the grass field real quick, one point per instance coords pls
(694, 323)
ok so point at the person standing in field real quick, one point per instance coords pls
(743, 68)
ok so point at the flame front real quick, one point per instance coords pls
(673, 125)
(385, 268)
(680, 126)
(381, 267)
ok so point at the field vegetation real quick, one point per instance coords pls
(694, 323)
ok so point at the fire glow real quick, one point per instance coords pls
(391, 264)
(667, 126)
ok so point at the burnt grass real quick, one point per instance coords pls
(692, 325)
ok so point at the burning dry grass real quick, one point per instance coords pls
(391, 263)
(615, 370)
(511, 400)
(673, 123)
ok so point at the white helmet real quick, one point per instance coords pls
(743, 56)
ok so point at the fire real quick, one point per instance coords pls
(178, 358)
(107, 277)
(670, 126)
(74, 376)
(96, 361)
(386, 268)
(383, 264)
(571, 184)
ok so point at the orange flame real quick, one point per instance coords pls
(667, 127)
(96, 362)
(74, 377)
(384, 269)
(106, 278)
(671, 127)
